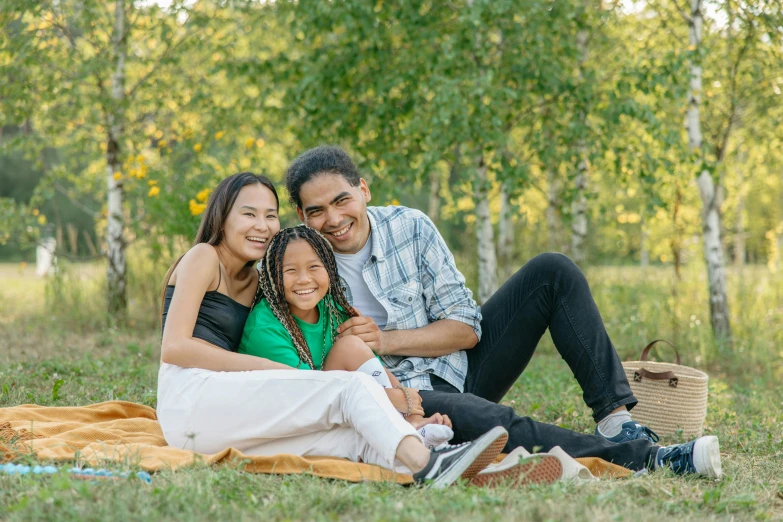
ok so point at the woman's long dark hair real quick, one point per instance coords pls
(221, 200)
(271, 286)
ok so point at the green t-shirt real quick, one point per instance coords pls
(265, 336)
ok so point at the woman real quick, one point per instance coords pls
(211, 398)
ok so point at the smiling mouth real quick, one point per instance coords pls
(305, 293)
(256, 239)
(340, 233)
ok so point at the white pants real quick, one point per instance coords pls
(329, 414)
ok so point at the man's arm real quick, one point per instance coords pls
(439, 338)
(455, 319)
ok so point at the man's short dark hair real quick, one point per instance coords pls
(326, 159)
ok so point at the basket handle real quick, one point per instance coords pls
(641, 373)
(646, 350)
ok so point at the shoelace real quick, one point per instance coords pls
(446, 446)
(677, 455)
(645, 432)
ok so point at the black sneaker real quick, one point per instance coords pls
(450, 463)
(700, 456)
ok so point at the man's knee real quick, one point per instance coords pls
(554, 264)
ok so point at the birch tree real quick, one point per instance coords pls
(579, 205)
(84, 91)
(116, 277)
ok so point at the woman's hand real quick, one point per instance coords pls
(400, 402)
(418, 420)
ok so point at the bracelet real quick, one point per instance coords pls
(407, 398)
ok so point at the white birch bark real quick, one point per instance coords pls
(579, 205)
(739, 227)
(644, 243)
(116, 276)
(505, 235)
(433, 207)
(554, 223)
(710, 195)
(487, 260)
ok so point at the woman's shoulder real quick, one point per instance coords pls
(200, 260)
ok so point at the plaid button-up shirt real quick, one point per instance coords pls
(412, 273)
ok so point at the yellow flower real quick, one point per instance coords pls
(219, 134)
(249, 143)
(196, 208)
(260, 143)
(117, 176)
(152, 182)
(154, 191)
(41, 219)
(139, 159)
(35, 212)
(203, 195)
(141, 173)
(395, 202)
(158, 134)
(161, 144)
(197, 147)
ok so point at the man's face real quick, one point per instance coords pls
(337, 210)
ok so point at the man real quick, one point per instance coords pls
(419, 316)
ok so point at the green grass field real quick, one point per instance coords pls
(56, 350)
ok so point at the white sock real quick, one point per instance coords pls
(435, 434)
(374, 369)
(612, 424)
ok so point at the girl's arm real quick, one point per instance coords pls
(195, 274)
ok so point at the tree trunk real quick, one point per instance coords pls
(710, 196)
(644, 246)
(505, 235)
(487, 260)
(116, 276)
(579, 205)
(739, 229)
(433, 207)
(554, 217)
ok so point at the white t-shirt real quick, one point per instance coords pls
(350, 266)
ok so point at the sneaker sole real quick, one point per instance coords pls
(536, 469)
(483, 453)
(706, 456)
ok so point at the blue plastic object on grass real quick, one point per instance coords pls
(87, 473)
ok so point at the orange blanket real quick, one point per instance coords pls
(129, 433)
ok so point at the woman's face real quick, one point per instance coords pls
(251, 222)
(305, 279)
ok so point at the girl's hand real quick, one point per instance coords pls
(418, 420)
(400, 403)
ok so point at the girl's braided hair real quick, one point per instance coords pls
(271, 287)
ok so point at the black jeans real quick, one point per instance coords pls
(548, 292)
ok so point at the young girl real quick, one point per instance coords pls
(296, 322)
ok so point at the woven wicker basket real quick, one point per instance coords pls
(671, 397)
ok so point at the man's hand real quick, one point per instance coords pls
(365, 329)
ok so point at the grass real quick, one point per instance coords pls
(54, 350)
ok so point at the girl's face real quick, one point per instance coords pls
(251, 222)
(305, 280)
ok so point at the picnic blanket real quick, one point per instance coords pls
(129, 433)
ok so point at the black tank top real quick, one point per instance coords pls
(220, 320)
